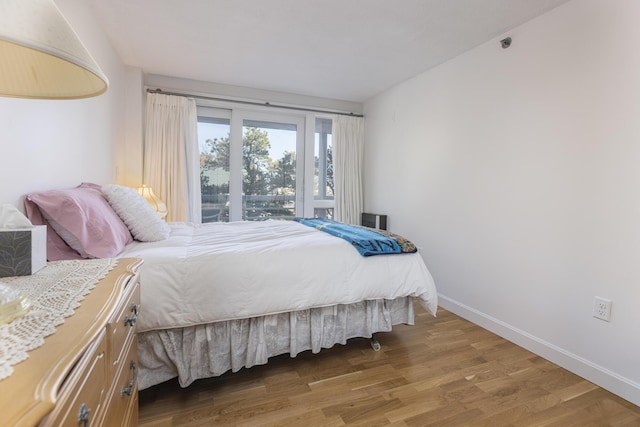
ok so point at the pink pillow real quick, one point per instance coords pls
(57, 249)
(82, 219)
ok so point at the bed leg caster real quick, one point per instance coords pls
(375, 344)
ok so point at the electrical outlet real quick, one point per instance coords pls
(602, 309)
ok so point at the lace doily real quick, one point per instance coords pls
(55, 292)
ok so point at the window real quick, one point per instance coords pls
(269, 172)
(213, 139)
(323, 179)
(257, 165)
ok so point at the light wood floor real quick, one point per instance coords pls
(443, 371)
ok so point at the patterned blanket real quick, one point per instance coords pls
(366, 241)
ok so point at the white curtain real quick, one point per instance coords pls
(348, 154)
(172, 156)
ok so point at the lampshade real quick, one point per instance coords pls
(157, 204)
(41, 56)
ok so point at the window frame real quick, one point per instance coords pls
(306, 203)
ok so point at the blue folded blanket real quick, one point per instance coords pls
(365, 240)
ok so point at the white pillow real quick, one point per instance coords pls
(143, 222)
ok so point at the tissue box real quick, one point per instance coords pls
(23, 251)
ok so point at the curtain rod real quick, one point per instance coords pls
(263, 104)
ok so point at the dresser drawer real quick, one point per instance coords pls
(73, 377)
(123, 403)
(122, 328)
(83, 392)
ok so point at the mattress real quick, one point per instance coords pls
(206, 273)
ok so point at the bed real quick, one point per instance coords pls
(220, 297)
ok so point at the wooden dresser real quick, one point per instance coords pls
(85, 374)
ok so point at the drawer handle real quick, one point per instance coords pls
(129, 389)
(131, 321)
(83, 415)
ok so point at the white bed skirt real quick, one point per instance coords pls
(210, 350)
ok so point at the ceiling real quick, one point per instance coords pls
(341, 49)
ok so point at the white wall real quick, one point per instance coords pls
(517, 172)
(48, 144)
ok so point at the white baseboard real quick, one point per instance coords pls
(590, 371)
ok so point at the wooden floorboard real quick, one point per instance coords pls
(443, 371)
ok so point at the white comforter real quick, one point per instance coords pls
(223, 271)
